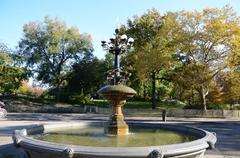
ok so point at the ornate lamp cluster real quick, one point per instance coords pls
(117, 76)
(117, 45)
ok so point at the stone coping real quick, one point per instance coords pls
(36, 148)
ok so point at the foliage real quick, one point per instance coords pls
(215, 95)
(154, 47)
(49, 49)
(207, 41)
(83, 81)
(209, 106)
(87, 76)
(30, 90)
(10, 76)
(4, 55)
(81, 99)
(154, 42)
(191, 56)
(25, 88)
(232, 88)
(109, 58)
(190, 77)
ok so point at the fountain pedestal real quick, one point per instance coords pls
(117, 95)
(116, 124)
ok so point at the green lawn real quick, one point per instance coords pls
(141, 104)
(27, 104)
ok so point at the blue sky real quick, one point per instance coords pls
(96, 17)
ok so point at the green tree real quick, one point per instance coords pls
(10, 76)
(232, 87)
(183, 77)
(155, 43)
(233, 58)
(208, 40)
(86, 77)
(109, 58)
(187, 81)
(4, 55)
(89, 75)
(49, 49)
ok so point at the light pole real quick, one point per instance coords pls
(117, 45)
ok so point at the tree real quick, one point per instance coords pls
(231, 87)
(183, 79)
(109, 58)
(4, 54)
(186, 80)
(155, 43)
(87, 76)
(215, 94)
(10, 76)
(208, 40)
(84, 80)
(49, 49)
(233, 58)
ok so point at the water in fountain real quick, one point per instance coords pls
(95, 136)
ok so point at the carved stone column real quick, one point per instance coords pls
(116, 124)
(117, 95)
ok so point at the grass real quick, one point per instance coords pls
(141, 104)
(28, 103)
(129, 104)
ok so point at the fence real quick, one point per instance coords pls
(177, 113)
(137, 112)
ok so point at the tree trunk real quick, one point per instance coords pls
(153, 90)
(204, 93)
(57, 93)
(192, 96)
(144, 91)
(204, 102)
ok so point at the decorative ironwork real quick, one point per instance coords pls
(114, 79)
(17, 136)
(68, 153)
(118, 44)
(156, 154)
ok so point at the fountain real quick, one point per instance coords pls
(195, 143)
(116, 92)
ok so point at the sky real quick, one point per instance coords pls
(99, 18)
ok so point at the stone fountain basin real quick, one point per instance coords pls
(42, 149)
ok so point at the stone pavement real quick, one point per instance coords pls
(228, 131)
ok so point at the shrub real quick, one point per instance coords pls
(81, 99)
(27, 89)
(209, 106)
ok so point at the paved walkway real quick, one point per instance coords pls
(228, 131)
